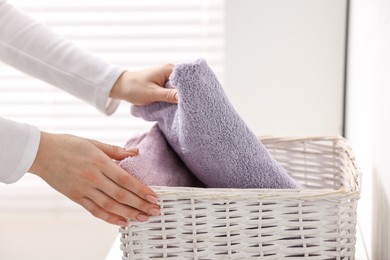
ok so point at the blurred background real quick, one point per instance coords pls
(290, 68)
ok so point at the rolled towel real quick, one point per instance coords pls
(209, 135)
(157, 163)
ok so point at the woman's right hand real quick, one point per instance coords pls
(84, 171)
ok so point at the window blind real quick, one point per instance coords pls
(135, 34)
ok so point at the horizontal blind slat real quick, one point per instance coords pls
(117, 5)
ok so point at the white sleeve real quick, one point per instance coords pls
(35, 49)
(18, 147)
(32, 47)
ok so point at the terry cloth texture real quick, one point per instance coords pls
(210, 137)
(157, 163)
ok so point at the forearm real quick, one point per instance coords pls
(35, 49)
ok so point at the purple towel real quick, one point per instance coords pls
(157, 163)
(210, 137)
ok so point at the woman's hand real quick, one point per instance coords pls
(145, 87)
(83, 170)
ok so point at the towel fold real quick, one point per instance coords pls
(156, 163)
(210, 137)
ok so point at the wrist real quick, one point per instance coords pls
(37, 166)
(117, 91)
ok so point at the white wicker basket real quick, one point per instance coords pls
(317, 222)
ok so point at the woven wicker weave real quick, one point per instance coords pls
(317, 222)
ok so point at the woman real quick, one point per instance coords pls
(81, 169)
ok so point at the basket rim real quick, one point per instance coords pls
(228, 193)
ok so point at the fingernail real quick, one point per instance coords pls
(176, 96)
(151, 199)
(132, 150)
(142, 217)
(121, 223)
(154, 212)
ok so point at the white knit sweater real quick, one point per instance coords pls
(35, 49)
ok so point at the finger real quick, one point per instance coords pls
(102, 214)
(128, 182)
(112, 206)
(115, 152)
(167, 70)
(166, 95)
(127, 198)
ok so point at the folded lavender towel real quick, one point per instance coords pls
(157, 163)
(210, 137)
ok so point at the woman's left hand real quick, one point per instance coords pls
(145, 86)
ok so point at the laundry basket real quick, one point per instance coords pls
(315, 222)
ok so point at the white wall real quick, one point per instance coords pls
(285, 64)
(368, 117)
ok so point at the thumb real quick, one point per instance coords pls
(166, 95)
(115, 152)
